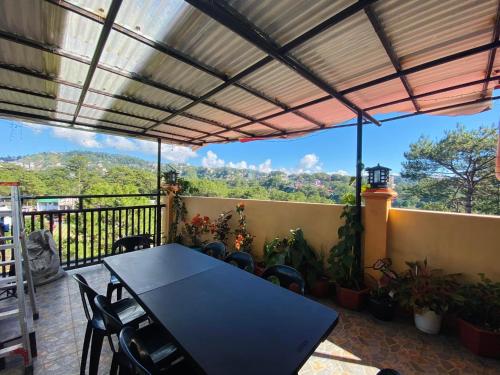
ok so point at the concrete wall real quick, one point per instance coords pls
(268, 219)
(463, 243)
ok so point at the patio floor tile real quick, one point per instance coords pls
(358, 345)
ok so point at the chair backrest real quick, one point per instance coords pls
(88, 295)
(111, 320)
(132, 348)
(131, 243)
(215, 249)
(288, 277)
(241, 260)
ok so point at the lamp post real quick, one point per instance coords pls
(171, 176)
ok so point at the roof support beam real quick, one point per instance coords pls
(180, 56)
(493, 52)
(139, 129)
(108, 110)
(106, 129)
(103, 37)
(386, 43)
(43, 76)
(415, 69)
(132, 76)
(229, 17)
(332, 127)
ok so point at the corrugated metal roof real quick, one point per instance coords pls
(163, 55)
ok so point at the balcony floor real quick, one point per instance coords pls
(358, 345)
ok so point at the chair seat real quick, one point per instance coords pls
(129, 311)
(157, 343)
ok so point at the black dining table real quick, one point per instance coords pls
(227, 320)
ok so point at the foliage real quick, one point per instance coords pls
(243, 239)
(455, 173)
(479, 303)
(344, 265)
(220, 228)
(385, 288)
(275, 251)
(183, 187)
(302, 257)
(196, 228)
(422, 288)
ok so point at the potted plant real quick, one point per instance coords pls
(243, 239)
(303, 258)
(479, 317)
(428, 293)
(382, 300)
(344, 265)
(220, 228)
(196, 228)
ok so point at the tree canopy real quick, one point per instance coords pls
(454, 173)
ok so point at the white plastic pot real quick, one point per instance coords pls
(428, 321)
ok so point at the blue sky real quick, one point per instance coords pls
(329, 151)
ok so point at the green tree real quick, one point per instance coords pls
(456, 172)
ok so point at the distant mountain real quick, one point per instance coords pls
(46, 160)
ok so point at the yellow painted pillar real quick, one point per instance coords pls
(376, 215)
(167, 214)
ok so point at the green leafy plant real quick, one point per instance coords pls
(422, 288)
(344, 265)
(220, 228)
(183, 187)
(479, 303)
(302, 257)
(275, 251)
(385, 288)
(243, 238)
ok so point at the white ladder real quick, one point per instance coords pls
(19, 259)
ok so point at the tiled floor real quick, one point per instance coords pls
(358, 345)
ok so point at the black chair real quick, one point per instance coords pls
(149, 350)
(387, 371)
(288, 277)
(125, 245)
(127, 309)
(241, 260)
(215, 249)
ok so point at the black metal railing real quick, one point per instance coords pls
(84, 236)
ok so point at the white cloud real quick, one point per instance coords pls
(341, 172)
(239, 165)
(171, 153)
(252, 167)
(36, 128)
(120, 143)
(266, 166)
(211, 160)
(81, 138)
(309, 163)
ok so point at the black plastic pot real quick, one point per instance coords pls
(382, 309)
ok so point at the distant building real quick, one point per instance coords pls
(54, 204)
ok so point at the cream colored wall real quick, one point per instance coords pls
(463, 243)
(468, 244)
(268, 219)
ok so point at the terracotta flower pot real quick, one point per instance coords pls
(351, 299)
(479, 341)
(321, 288)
